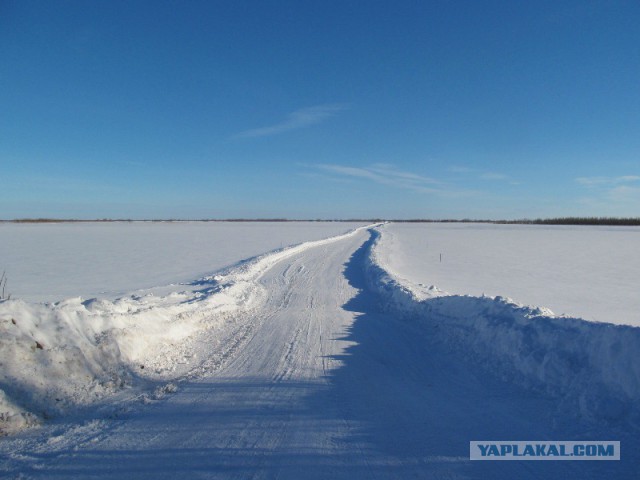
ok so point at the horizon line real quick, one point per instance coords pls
(569, 220)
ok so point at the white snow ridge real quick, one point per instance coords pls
(72, 353)
(593, 367)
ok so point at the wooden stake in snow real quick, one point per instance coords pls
(3, 284)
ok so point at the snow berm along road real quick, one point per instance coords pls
(336, 371)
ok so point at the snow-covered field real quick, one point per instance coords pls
(336, 358)
(52, 262)
(580, 271)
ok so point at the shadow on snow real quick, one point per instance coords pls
(400, 405)
(418, 404)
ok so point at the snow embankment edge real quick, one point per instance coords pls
(57, 357)
(591, 368)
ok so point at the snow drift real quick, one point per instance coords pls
(591, 367)
(55, 357)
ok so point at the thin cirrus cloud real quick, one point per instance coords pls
(385, 174)
(607, 181)
(302, 118)
(459, 169)
(622, 191)
(494, 176)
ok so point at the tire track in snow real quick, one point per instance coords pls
(323, 385)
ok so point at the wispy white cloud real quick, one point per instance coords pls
(460, 169)
(625, 193)
(385, 174)
(616, 196)
(607, 181)
(490, 176)
(302, 118)
(494, 176)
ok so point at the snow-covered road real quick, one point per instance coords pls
(322, 384)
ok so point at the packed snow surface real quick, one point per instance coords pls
(580, 271)
(315, 361)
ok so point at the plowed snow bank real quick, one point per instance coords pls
(592, 367)
(54, 357)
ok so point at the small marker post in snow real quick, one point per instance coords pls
(440, 258)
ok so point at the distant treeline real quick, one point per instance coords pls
(587, 221)
(169, 220)
(615, 221)
(114, 220)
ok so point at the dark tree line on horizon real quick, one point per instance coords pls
(605, 221)
(608, 221)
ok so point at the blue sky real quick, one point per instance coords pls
(319, 109)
